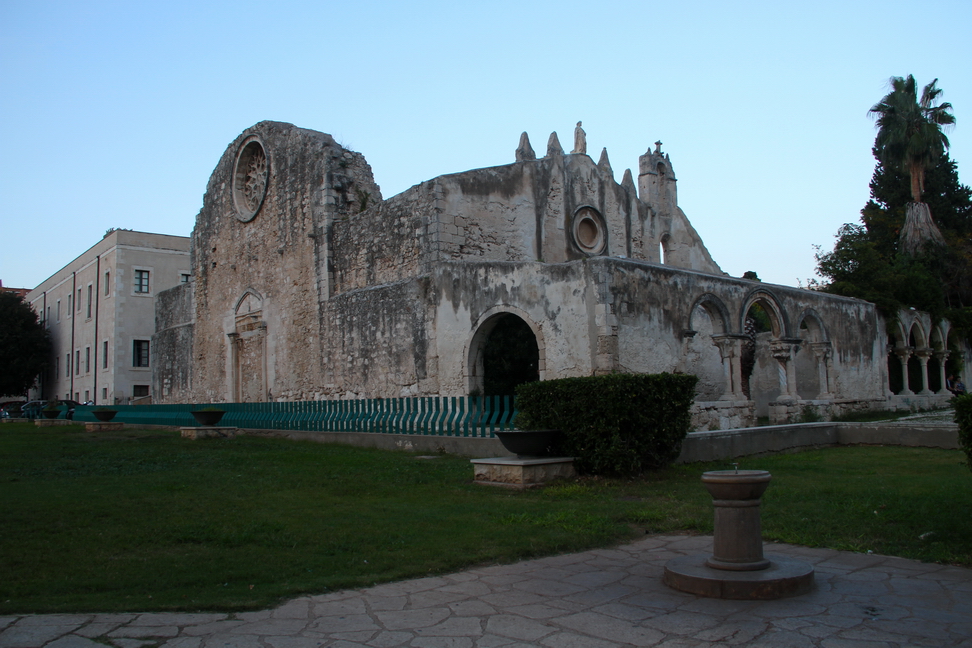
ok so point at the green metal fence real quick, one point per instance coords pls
(465, 416)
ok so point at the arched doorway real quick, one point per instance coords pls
(504, 354)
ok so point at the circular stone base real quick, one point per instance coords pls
(784, 577)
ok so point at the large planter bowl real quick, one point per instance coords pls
(208, 418)
(51, 414)
(104, 415)
(736, 484)
(528, 443)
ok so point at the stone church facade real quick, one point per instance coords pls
(308, 284)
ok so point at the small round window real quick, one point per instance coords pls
(590, 235)
(250, 180)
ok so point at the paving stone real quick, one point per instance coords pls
(412, 619)
(95, 629)
(375, 603)
(387, 639)
(624, 611)
(270, 627)
(571, 640)
(175, 619)
(468, 588)
(516, 627)
(293, 642)
(7, 620)
(611, 629)
(681, 623)
(212, 628)
(72, 641)
(233, 641)
(32, 636)
(183, 642)
(436, 598)
(506, 599)
(471, 608)
(133, 643)
(536, 611)
(139, 632)
(548, 587)
(296, 609)
(346, 623)
(454, 627)
(442, 642)
(732, 633)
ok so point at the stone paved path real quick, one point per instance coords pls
(604, 598)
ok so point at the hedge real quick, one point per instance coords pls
(963, 416)
(617, 424)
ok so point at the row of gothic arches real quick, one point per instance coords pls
(920, 360)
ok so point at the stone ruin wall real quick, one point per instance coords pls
(280, 254)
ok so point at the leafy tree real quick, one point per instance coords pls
(910, 139)
(869, 260)
(25, 345)
(910, 133)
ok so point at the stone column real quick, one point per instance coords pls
(730, 348)
(903, 354)
(783, 351)
(942, 356)
(823, 352)
(923, 356)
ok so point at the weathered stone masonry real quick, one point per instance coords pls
(307, 284)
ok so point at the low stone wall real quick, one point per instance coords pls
(464, 446)
(729, 444)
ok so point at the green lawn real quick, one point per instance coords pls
(143, 520)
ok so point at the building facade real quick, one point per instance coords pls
(100, 311)
(308, 284)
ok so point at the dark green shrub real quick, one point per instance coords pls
(963, 416)
(619, 424)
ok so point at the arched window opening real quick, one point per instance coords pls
(914, 364)
(511, 356)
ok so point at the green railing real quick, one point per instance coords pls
(466, 416)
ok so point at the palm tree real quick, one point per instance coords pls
(910, 138)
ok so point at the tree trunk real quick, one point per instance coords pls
(919, 230)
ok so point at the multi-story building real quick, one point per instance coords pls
(100, 310)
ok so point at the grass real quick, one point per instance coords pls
(144, 520)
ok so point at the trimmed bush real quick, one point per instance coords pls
(618, 424)
(963, 416)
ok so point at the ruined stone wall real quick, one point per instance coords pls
(261, 260)
(172, 345)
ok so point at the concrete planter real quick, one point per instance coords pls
(104, 415)
(528, 443)
(208, 418)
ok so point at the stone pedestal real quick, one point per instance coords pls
(44, 422)
(515, 472)
(207, 432)
(737, 568)
(103, 426)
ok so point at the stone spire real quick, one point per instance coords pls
(604, 164)
(524, 151)
(628, 182)
(553, 145)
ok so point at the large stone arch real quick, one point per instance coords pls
(481, 331)
(716, 309)
(814, 357)
(771, 304)
(769, 370)
(711, 352)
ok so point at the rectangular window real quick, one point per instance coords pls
(185, 278)
(140, 355)
(141, 281)
(77, 362)
(67, 366)
(87, 361)
(79, 300)
(107, 283)
(139, 391)
(48, 320)
(58, 310)
(87, 395)
(104, 356)
(69, 305)
(104, 395)
(57, 365)
(89, 301)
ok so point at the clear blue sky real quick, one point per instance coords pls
(115, 113)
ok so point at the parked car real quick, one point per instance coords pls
(33, 409)
(11, 409)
